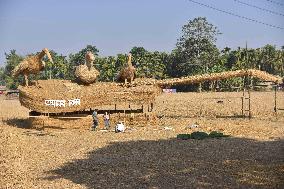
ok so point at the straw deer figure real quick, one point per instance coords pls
(31, 65)
(128, 72)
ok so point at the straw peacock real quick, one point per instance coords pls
(31, 65)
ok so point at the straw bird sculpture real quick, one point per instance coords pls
(90, 58)
(127, 73)
(31, 65)
(86, 73)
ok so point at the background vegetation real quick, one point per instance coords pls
(195, 53)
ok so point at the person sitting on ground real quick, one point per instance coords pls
(95, 120)
(119, 127)
(106, 120)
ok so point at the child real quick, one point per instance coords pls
(106, 120)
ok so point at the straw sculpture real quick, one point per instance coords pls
(31, 65)
(86, 73)
(128, 72)
(91, 96)
(141, 91)
(219, 76)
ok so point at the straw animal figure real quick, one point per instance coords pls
(90, 58)
(31, 65)
(127, 73)
(87, 73)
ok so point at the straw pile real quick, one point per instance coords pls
(91, 96)
(219, 76)
(86, 75)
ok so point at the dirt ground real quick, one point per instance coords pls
(150, 156)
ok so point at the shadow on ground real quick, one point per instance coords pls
(27, 124)
(20, 123)
(210, 163)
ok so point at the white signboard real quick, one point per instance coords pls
(62, 103)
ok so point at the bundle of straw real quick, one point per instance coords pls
(86, 75)
(219, 76)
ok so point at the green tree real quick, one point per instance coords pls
(79, 58)
(149, 64)
(269, 57)
(2, 76)
(138, 53)
(107, 68)
(12, 60)
(196, 47)
(59, 69)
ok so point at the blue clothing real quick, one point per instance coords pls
(106, 123)
(95, 119)
(95, 115)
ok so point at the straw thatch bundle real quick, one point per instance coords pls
(128, 72)
(86, 75)
(219, 76)
(264, 76)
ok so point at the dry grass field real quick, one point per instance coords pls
(150, 156)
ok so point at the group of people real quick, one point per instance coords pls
(119, 127)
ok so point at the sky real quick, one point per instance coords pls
(115, 26)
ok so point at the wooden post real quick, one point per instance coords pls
(43, 124)
(187, 111)
(200, 87)
(249, 104)
(242, 98)
(275, 99)
(124, 119)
